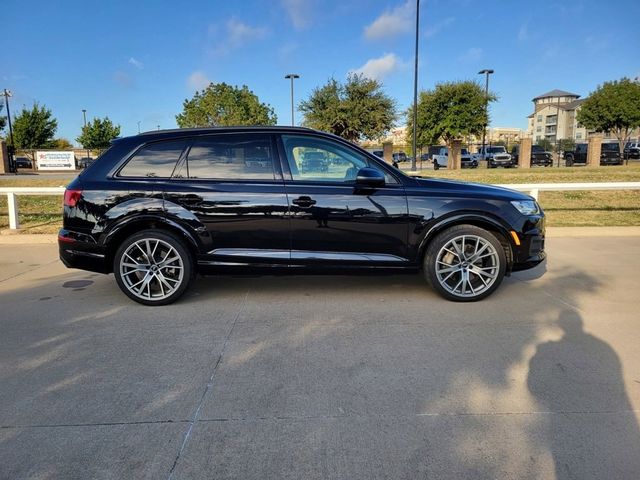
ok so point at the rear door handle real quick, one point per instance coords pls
(304, 202)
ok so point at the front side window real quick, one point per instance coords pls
(319, 160)
(156, 160)
(229, 157)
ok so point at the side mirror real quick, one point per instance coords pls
(370, 177)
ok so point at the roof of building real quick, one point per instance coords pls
(556, 93)
(572, 105)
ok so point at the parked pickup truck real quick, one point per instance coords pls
(538, 156)
(496, 156)
(441, 159)
(609, 155)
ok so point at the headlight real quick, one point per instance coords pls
(526, 207)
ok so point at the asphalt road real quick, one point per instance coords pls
(323, 377)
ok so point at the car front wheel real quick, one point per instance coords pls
(153, 268)
(465, 263)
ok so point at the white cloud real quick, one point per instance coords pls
(198, 80)
(472, 55)
(299, 12)
(438, 27)
(235, 35)
(136, 63)
(392, 22)
(523, 32)
(378, 68)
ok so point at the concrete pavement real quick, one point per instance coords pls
(323, 377)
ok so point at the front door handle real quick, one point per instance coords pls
(304, 202)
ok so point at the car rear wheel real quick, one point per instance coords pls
(436, 166)
(569, 161)
(153, 268)
(465, 263)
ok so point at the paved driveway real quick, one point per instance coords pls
(323, 377)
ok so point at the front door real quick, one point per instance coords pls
(334, 221)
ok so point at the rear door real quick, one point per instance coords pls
(229, 185)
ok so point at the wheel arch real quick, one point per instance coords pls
(488, 223)
(125, 229)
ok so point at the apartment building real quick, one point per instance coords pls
(554, 117)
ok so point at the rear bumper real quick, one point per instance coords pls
(78, 250)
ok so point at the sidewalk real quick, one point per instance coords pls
(552, 232)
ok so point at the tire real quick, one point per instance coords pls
(162, 280)
(436, 166)
(569, 161)
(483, 275)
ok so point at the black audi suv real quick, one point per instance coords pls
(159, 207)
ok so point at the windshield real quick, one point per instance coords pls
(610, 147)
(496, 150)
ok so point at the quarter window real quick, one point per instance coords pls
(318, 160)
(229, 157)
(154, 160)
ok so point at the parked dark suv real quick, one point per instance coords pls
(539, 156)
(609, 155)
(158, 207)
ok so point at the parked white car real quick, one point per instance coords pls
(496, 156)
(441, 159)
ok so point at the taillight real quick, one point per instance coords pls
(71, 197)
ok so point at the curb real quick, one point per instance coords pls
(552, 232)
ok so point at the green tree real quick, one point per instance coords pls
(546, 144)
(62, 144)
(614, 107)
(97, 134)
(34, 128)
(357, 110)
(567, 144)
(3, 120)
(221, 104)
(452, 111)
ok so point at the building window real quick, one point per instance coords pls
(539, 118)
(578, 136)
(539, 129)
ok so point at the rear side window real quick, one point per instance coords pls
(156, 160)
(229, 157)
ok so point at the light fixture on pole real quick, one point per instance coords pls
(292, 76)
(414, 148)
(12, 166)
(485, 72)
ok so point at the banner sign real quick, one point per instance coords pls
(55, 161)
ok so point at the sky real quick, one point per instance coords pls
(137, 61)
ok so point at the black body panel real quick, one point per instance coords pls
(232, 224)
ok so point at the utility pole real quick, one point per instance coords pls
(84, 118)
(12, 166)
(292, 76)
(415, 93)
(485, 72)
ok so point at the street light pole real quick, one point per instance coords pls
(485, 72)
(415, 93)
(12, 166)
(138, 127)
(84, 118)
(292, 76)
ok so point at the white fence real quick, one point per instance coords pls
(532, 189)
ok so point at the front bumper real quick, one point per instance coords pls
(531, 251)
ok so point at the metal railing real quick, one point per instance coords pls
(532, 189)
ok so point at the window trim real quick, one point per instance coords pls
(275, 164)
(115, 172)
(288, 176)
